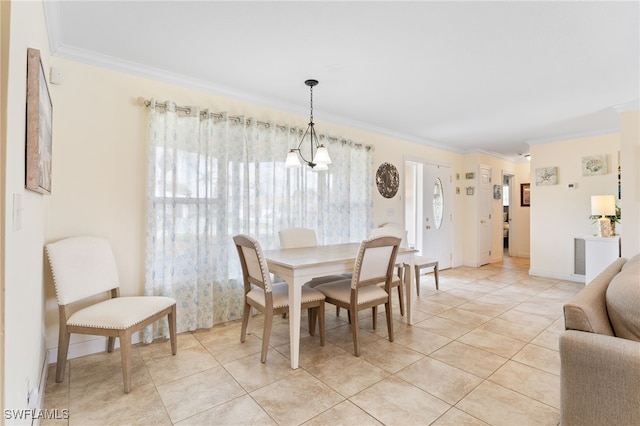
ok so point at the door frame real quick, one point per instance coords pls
(449, 192)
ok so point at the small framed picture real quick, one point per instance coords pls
(525, 195)
(594, 165)
(497, 192)
(39, 141)
(547, 176)
(470, 190)
(470, 175)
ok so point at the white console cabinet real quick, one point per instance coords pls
(599, 253)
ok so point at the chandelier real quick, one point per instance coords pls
(321, 159)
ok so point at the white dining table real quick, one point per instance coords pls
(299, 265)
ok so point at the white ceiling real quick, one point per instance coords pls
(466, 76)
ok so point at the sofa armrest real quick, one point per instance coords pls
(587, 310)
(599, 380)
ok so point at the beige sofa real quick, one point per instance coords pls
(600, 350)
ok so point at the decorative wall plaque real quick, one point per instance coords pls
(388, 180)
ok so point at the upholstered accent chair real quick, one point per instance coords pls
(374, 265)
(269, 298)
(84, 267)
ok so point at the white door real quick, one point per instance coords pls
(484, 216)
(437, 230)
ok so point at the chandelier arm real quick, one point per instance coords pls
(299, 149)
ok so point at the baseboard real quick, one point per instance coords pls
(89, 347)
(39, 405)
(547, 274)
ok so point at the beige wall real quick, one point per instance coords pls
(23, 255)
(630, 166)
(559, 214)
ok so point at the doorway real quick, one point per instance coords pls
(428, 210)
(507, 213)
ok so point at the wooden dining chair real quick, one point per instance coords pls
(420, 262)
(399, 266)
(83, 268)
(305, 237)
(374, 265)
(269, 298)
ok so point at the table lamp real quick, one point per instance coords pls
(603, 205)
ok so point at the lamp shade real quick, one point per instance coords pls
(603, 205)
(322, 155)
(292, 160)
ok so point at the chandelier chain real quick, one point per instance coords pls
(311, 91)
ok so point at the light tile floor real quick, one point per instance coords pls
(483, 351)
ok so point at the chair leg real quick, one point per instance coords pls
(355, 332)
(171, 318)
(387, 308)
(311, 317)
(375, 316)
(245, 322)
(435, 274)
(401, 297)
(266, 334)
(125, 353)
(63, 348)
(401, 273)
(337, 311)
(321, 322)
(111, 343)
(417, 279)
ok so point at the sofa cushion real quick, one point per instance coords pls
(587, 311)
(623, 302)
(633, 262)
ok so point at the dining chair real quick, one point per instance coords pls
(420, 262)
(400, 266)
(305, 237)
(374, 265)
(83, 268)
(271, 298)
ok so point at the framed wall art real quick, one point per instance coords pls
(594, 165)
(525, 195)
(547, 176)
(39, 117)
(497, 192)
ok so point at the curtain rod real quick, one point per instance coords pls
(147, 103)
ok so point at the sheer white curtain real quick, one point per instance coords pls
(211, 177)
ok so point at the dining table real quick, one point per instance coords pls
(297, 266)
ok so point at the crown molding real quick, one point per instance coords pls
(633, 105)
(53, 23)
(569, 136)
